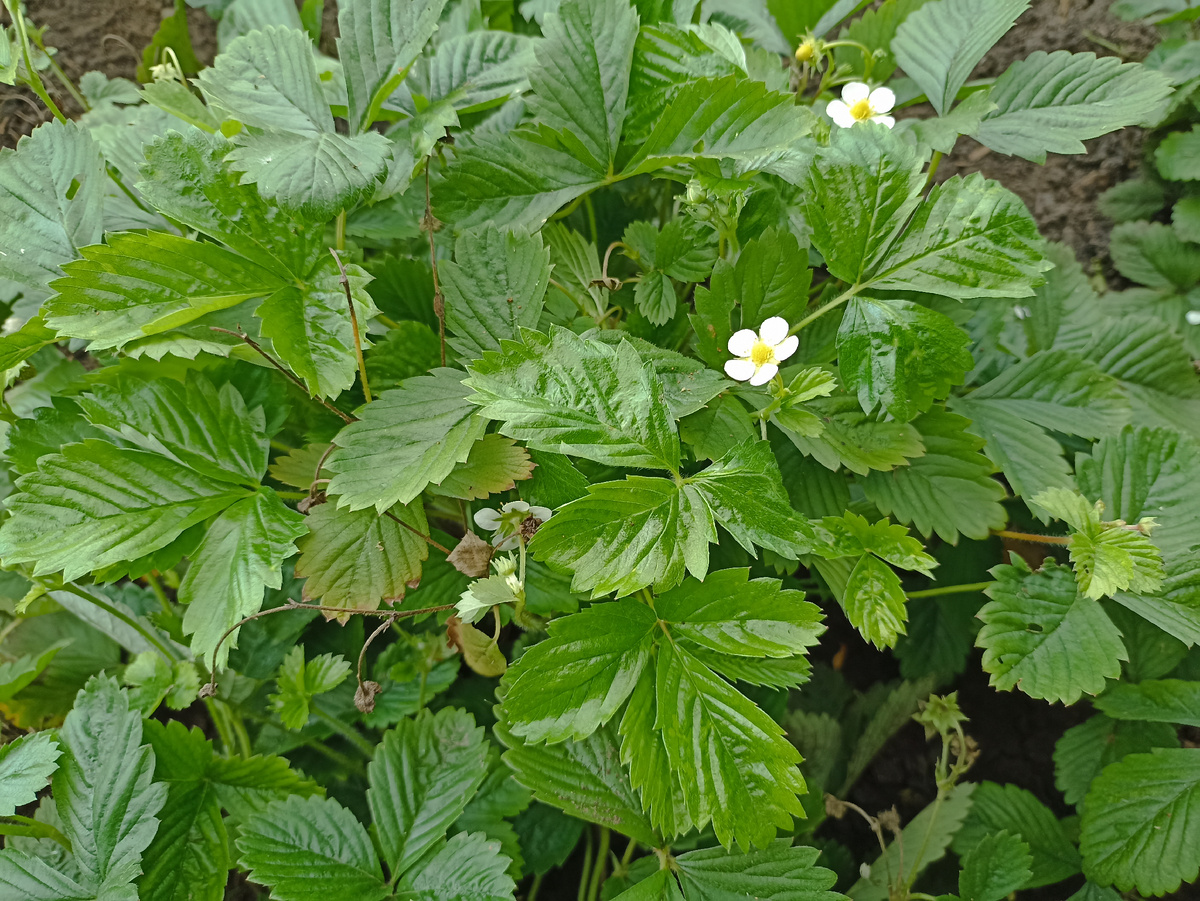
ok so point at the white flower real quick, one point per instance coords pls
(759, 355)
(860, 104)
(506, 522)
(1192, 317)
(484, 594)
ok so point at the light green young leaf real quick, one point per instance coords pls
(424, 773)
(96, 504)
(930, 829)
(311, 849)
(948, 491)
(495, 464)
(1156, 701)
(19, 346)
(1015, 810)
(900, 355)
(494, 288)
(378, 40)
(583, 778)
(358, 559)
(660, 886)
(26, 765)
(851, 535)
(1085, 750)
(236, 562)
(1163, 462)
(1056, 101)
(874, 602)
(1115, 560)
(51, 203)
(580, 397)
(581, 82)
(940, 44)
(778, 871)
(1141, 822)
(995, 868)
(1041, 635)
(300, 680)
(139, 285)
(103, 788)
(407, 438)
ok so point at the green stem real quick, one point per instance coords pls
(934, 162)
(535, 888)
(63, 79)
(351, 735)
(590, 208)
(35, 80)
(833, 304)
(1036, 539)
(232, 732)
(627, 857)
(915, 867)
(339, 231)
(585, 876)
(601, 863)
(948, 589)
(163, 600)
(169, 655)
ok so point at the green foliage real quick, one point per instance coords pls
(495, 438)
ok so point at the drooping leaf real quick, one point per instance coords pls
(1140, 822)
(307, 849)
(949, 490)
(494, 288)
(584, 398)
(424, 773)
(407, 438)
(940, 44)
(239, 558)
(1056, 101)
(359, 559)
(1041, 635)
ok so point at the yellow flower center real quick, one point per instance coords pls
(862, 110)
(762, 353)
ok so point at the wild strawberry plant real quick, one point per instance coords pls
(468, 436)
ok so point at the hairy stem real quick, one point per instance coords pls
(948, 589)
(1036, 539)
(439, 302)
(358, 352)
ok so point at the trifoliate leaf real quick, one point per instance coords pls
(26, 766)
(948, 491)
(407, 438)
(359, 559)
(377, 43)
(494, 288)
(309, 325)
(1115, 560)
(299, 680)
(1139, 828)
(96, 504)
(855, 440)
(1085, 750)
(1156, 701)
(1041, 635)
(307, 849)
(1162, 461)
(1056, 101)
(778, 871)
(940, 44)
(851, 535)
(581, 777)
(423, 775)
(140, 285)
(104, 789)
(51, 204)
(239, 558)
(495, 464)
(580, 397)
(900, 355)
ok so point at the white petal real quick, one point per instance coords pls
(840, 114)
(517, 506)
(542, 513)
(765, 373)
(773, 330)
(505, 544)
(1192, 317)
(854, 92)
(739, 370)
(487, 519)
(787, 347)
(742, 342)
(882, 100)
(884, 120)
